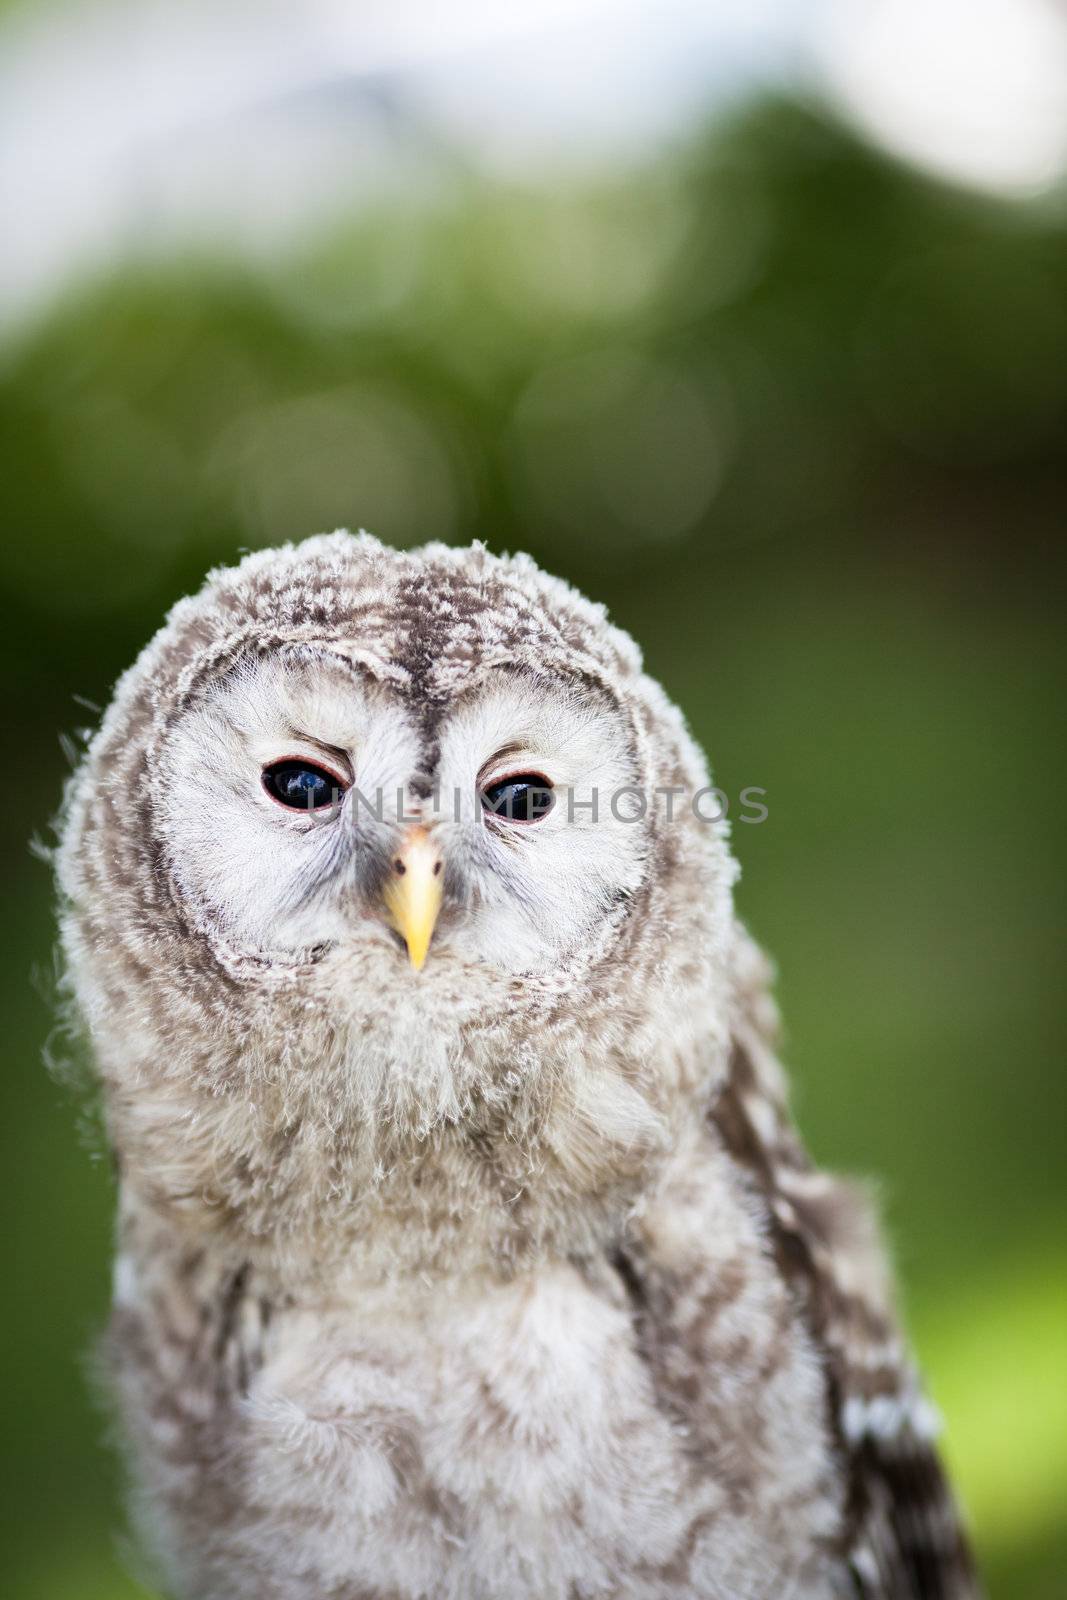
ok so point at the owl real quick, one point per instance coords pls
(465, 1247)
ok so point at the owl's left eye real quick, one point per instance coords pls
(302, 786)
(523, 797)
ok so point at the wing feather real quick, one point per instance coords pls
(903, 1537)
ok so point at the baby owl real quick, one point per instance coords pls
(466, 1250)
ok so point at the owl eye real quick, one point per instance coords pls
(522, 797)
(302, 786)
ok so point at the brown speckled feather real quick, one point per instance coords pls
(903, 1537)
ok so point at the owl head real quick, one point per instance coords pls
(371, 887)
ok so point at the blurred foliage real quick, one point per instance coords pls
(798, 416)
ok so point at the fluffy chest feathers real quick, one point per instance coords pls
(535, 1438)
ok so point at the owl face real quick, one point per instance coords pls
(312, 800)
(364, 855)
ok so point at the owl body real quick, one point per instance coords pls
(482, 1435)
(465, 1245)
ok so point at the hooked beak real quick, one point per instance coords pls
(413, 890)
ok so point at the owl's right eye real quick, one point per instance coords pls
(303, 786)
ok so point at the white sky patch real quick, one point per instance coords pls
(974, 90)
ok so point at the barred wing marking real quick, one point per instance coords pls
(903, 1539)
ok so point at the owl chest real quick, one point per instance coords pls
(506, 1445)
(509, 1444)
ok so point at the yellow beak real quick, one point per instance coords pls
(413, 892)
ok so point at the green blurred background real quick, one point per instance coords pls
(797, 413)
